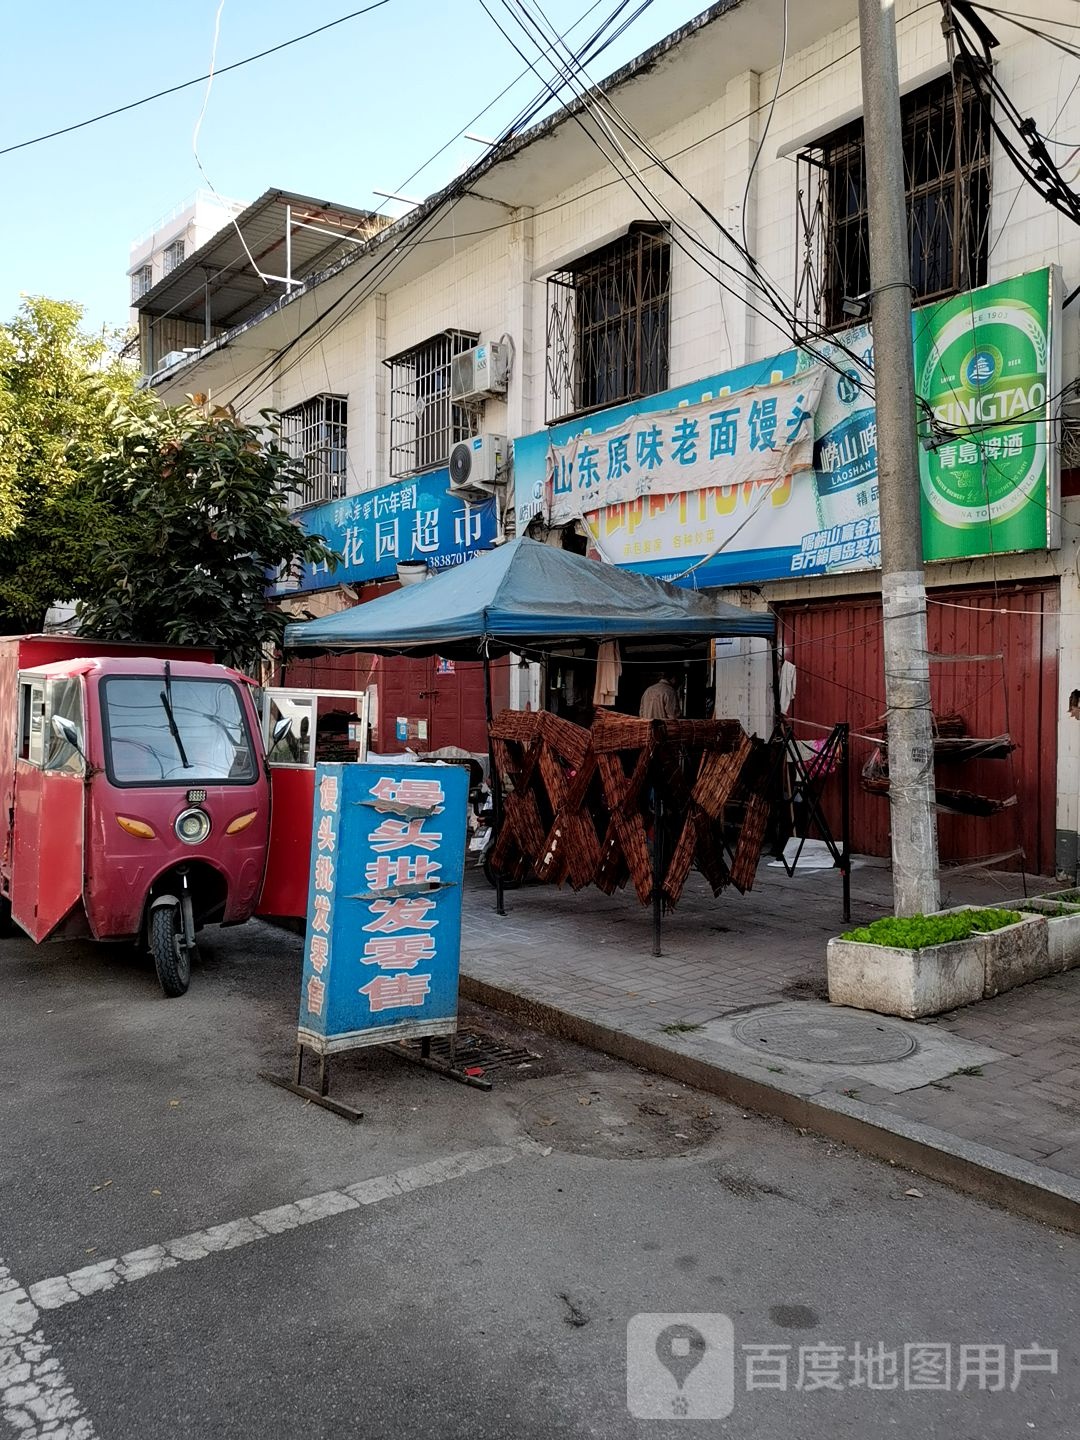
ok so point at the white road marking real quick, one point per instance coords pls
(36, 1400)
(35, 1397)
(90, 1280)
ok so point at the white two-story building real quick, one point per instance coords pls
(578, 311)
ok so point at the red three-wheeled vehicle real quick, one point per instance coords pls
(135, 793)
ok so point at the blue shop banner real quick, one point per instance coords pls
(384, 905)
(416, 519)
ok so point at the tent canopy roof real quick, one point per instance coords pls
(524, 595)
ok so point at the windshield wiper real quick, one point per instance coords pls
(166, 701)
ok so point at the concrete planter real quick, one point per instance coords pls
(915, 983)
(1014, 955)
(908, 983)
(1063, 931)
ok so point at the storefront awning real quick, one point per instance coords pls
(521, 596)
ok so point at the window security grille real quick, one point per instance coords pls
(142, 280)
(172, 256)
(424, 424)
(947, 183)
(608, 322)
(316, 435)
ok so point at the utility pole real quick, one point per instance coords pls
(903, 587)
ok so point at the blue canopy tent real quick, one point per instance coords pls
(525, 596)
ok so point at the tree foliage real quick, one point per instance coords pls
(59, 387)
(205, 497)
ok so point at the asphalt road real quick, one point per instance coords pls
(481, 1285)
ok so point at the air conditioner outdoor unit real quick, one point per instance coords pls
(476, 465)
(174, 357)
(480, 372)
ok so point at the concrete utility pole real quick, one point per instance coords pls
(903, 588)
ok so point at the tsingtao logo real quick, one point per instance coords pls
(680, 1367)
(981, 368)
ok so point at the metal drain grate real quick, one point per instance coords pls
(470, 1048)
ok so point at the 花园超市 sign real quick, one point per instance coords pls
(983, 377)
(416, 519)
(986, 364)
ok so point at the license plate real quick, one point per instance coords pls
(480, 840)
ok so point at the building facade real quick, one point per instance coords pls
(173, 238)
(652, 370)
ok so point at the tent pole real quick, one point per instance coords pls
(658, 869)
(495, 782)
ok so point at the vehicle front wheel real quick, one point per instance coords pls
(7, 925)
(172, 955)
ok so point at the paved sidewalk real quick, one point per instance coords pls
(997, 1082)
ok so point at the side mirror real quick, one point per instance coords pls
(66, 730)
(281, 728)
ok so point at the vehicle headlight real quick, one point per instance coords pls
(192, 826)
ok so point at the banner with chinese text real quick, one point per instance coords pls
(411, 520)
(988, 364)
(384, 905)
(757, 437)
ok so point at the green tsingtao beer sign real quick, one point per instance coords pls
(987, 364)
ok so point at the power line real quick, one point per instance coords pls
(481, 113)
(406, 243)
(768, 122)
(590, 103)
(198, 80)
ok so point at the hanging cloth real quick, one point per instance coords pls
(788, 681)
(608, 671)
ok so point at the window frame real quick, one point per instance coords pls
(142, 281)
(425, 423)
(173, 255)
(29, 740)
(325, 463)
(601, 309)
(177, 782)
(942, 172)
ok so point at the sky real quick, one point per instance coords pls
(344, 113)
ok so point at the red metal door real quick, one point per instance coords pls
(458, 713)
(288, 860)
(47, 855)
(406, 695)
(996, 668)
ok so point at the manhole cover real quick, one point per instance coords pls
(836, 1038)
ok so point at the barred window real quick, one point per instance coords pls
(425, 424)
(947, 188)
(142, 280)
(316, 435)
(172, 256)
(608, 322)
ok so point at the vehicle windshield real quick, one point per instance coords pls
(142, 744)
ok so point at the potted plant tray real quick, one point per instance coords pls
(927, 964)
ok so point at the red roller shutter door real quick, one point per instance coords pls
(837, 650)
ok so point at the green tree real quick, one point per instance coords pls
(59, 388)
(206, 499)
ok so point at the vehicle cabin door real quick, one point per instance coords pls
(301, 728)
(48, 859)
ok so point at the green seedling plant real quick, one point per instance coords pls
(920, 932)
